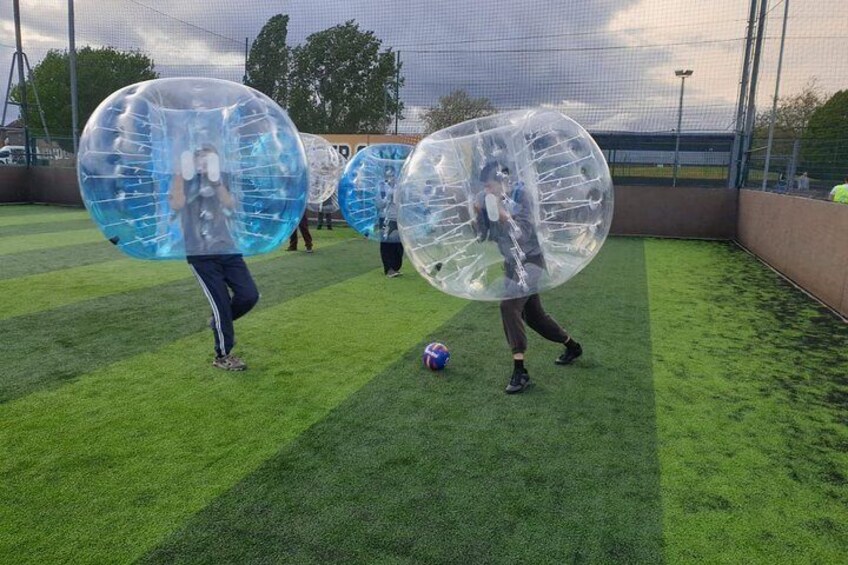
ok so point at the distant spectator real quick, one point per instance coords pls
(839, 193)
(803, 182)
(782, 185)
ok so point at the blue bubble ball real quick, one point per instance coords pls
(181, 167)
(367, 190)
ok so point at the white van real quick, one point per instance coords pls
(13, 155)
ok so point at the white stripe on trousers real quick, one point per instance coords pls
(215, 314)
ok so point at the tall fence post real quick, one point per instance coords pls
(72, 64)
(776, 94)
(735, 155)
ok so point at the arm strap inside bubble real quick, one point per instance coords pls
(187, 165)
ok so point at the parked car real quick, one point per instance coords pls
(13, 155)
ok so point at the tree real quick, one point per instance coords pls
(268, 61)
(340, 81)
(100, 72)
(791, 119)
(825, 147)
(456, 107)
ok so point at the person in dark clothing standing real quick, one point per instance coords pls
(202, 199)
(324, 214)
(303, 226)
(504, 216)
(391, 249)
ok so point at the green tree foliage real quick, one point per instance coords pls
(100, 72)
(825, 145)
(791, 119)
(456, 107)
(342, 82)
(268, 60)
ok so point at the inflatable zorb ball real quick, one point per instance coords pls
(186, 166)
(505, 206)
(368, 190)
(325, 168)
(328, 206)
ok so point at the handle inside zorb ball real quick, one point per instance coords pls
(187, 165)
(213, 167)
(492, 207)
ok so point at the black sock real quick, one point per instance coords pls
(571, 344)
(518, 365)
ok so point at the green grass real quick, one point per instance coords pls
(706, 421)
(57, 288)
(705, 172)
(22, 243)
(751, 390)
(102, 468)
(26, 263)
(423, 468)
(22, 215)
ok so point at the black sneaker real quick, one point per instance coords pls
(572, 352)
(518, 382)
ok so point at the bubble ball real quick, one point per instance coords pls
(328, 206)
(367, 190)
(505, 206)
(190, 166)
(325, 167)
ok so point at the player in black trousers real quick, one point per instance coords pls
(391, 249)
(201, 197)
(504, 216)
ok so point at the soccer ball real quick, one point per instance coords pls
(436, 356)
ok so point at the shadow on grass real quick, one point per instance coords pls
(55, 346)
(445, 468)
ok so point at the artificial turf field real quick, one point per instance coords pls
(706, 422)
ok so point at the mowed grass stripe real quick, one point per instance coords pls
(751, 392)
(420, 467)
(52, 347)
(101, 470)
(53, 289)
(33, 242)
(45, 227)
(25, 214)
(45, 260)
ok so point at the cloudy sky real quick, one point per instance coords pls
(607, 63)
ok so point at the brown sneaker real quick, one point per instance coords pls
(229, 363)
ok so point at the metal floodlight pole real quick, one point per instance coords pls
(776, 94)
(683, 76)
(72, 63)
(22, 79)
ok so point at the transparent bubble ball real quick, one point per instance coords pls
(367, 191)
(325, 168)
(505, 206)
(191, 166)
(328, 206)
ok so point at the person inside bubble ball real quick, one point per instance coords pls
(504, 216)
(324, 214)
(202, 199)
(391, 249)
